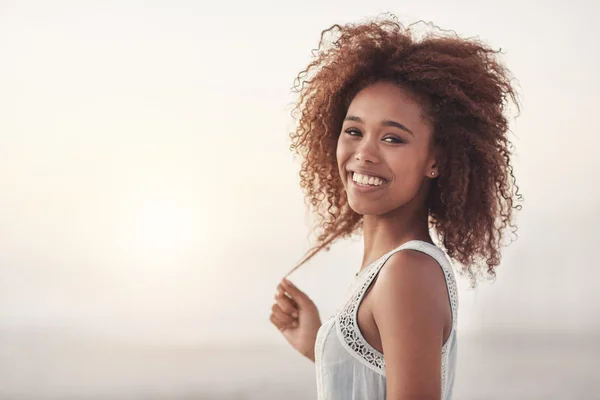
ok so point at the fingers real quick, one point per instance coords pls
(278, 324)
(282, 326)
(285, 311)
(296, 294)
(286, 304)
(281, 315)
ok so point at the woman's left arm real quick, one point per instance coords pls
(410, 309)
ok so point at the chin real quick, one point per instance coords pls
(367, 207)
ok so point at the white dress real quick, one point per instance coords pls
(349, 368)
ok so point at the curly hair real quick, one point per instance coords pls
(465, 93)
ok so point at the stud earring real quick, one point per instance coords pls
(432, 173)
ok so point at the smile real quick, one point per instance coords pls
(367, 181)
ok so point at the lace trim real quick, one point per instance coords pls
(347, 325)
(346, 317)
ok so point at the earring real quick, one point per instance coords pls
(432, 173)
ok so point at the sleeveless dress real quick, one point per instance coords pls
(349, 368)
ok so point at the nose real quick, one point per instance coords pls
(367, 152)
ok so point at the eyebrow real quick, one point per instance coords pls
(386, 122)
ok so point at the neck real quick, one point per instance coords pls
(383, 233)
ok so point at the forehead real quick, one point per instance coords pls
(385, 100)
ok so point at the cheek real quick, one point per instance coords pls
(408, 170)
(341, 153)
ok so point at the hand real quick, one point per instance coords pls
(297, 317)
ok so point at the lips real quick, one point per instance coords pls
(368, 174)
(373, 183)
(367, 180)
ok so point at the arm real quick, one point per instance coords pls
(410, 309)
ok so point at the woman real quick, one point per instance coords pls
(402, 139)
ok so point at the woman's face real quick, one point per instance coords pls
(383, 153)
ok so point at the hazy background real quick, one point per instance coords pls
(149, 203)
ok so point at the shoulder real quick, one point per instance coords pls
(410, 283)
(411, 309)
(411, 269)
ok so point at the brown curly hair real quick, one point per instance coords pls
(465, 93)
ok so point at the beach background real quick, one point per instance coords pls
(149, 204)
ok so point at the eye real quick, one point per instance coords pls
(393, 139)
(353, 132)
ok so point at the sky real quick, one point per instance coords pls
(147, 191)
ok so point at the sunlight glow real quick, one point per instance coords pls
(161, 232)
(160, 226)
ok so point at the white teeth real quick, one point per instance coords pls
(367, 180)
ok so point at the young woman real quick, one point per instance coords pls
(403, 140)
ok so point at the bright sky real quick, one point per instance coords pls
(147, 189)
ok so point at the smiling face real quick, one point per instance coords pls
(384, 152)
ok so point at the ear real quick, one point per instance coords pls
(432, 169)
(432, 172)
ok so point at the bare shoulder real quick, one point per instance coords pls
(411, 311)
(411, 270)
(411, 285)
